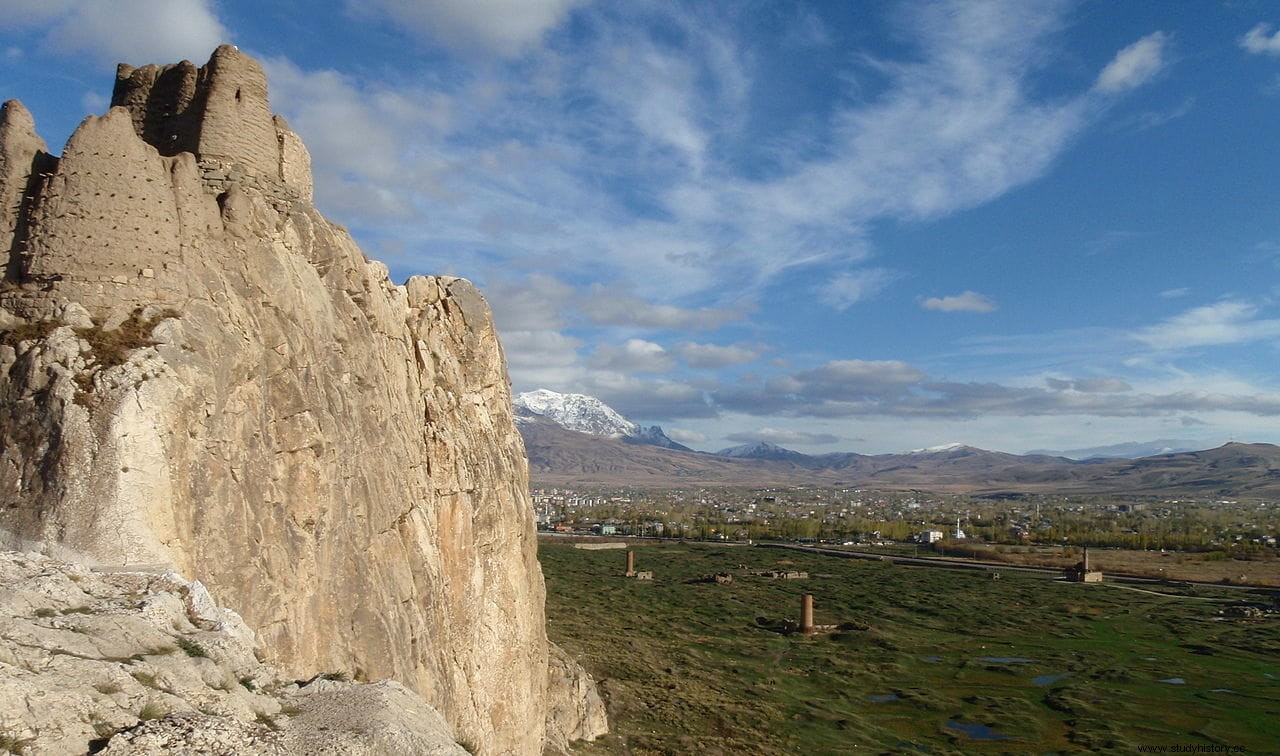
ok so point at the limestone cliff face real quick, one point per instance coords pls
(198, 370)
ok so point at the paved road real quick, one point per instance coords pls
(973, 564)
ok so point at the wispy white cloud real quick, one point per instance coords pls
(783, 437)
(1134, 66)
(537, 302)
(1227, 322)
(1260, 40)
(843, 389)
(1089, 385)
(371, 144)
(1154, 119)
(648, 399)
(851, 287)
(714, 356)
(113, 31)
(856, 380)
(632, 356)
(968, 301)
(22, 14)
(955, 127)
(686, 436)
(542, 358)
(506, 28)
(539, 167)
(610, 306)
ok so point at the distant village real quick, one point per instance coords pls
(851, 516)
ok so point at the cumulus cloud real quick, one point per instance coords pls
(714, 356)
(1134, 66)
(1089, 385)
(891, 389)
(506, 28)
(854, 381)
(1260, 40)
(1227, 322)
(368, 142)
(114, 31)
(689, 239)
(28, 13)
(537, 359)
(939, 400)
(534, 303)
(783, 437)
(849, 288)
(633, 356)
(609, 306)
(968, 301)
(646, 399)
(686, 436)
(538, 348)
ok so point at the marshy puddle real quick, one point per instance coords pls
(883, 697)
(931, 658)
(1044, 680)
(1174, 681)
(1005, 659)
(976, 731)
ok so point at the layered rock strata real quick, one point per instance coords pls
(198, 370)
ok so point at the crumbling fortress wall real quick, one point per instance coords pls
(198, 370)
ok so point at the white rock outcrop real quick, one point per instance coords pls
(200, 372)
(124, 661)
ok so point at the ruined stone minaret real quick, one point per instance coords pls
(806, 613)
(631, 563)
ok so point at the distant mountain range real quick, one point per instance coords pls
(1130, 450)
(573, 439)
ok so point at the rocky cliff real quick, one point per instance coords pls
(199, 371)
(133, 661)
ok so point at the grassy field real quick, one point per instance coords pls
(937, 661)
(1263, 569)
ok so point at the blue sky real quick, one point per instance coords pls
(870, 226)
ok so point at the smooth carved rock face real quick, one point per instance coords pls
(198, 370)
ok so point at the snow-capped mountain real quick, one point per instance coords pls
(941, 449)
(587, 414)
(761, 450)
(577, 412)
(654, 436)
(1132, 449)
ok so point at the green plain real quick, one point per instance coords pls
(937, 661)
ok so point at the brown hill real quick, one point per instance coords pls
(564, 458)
